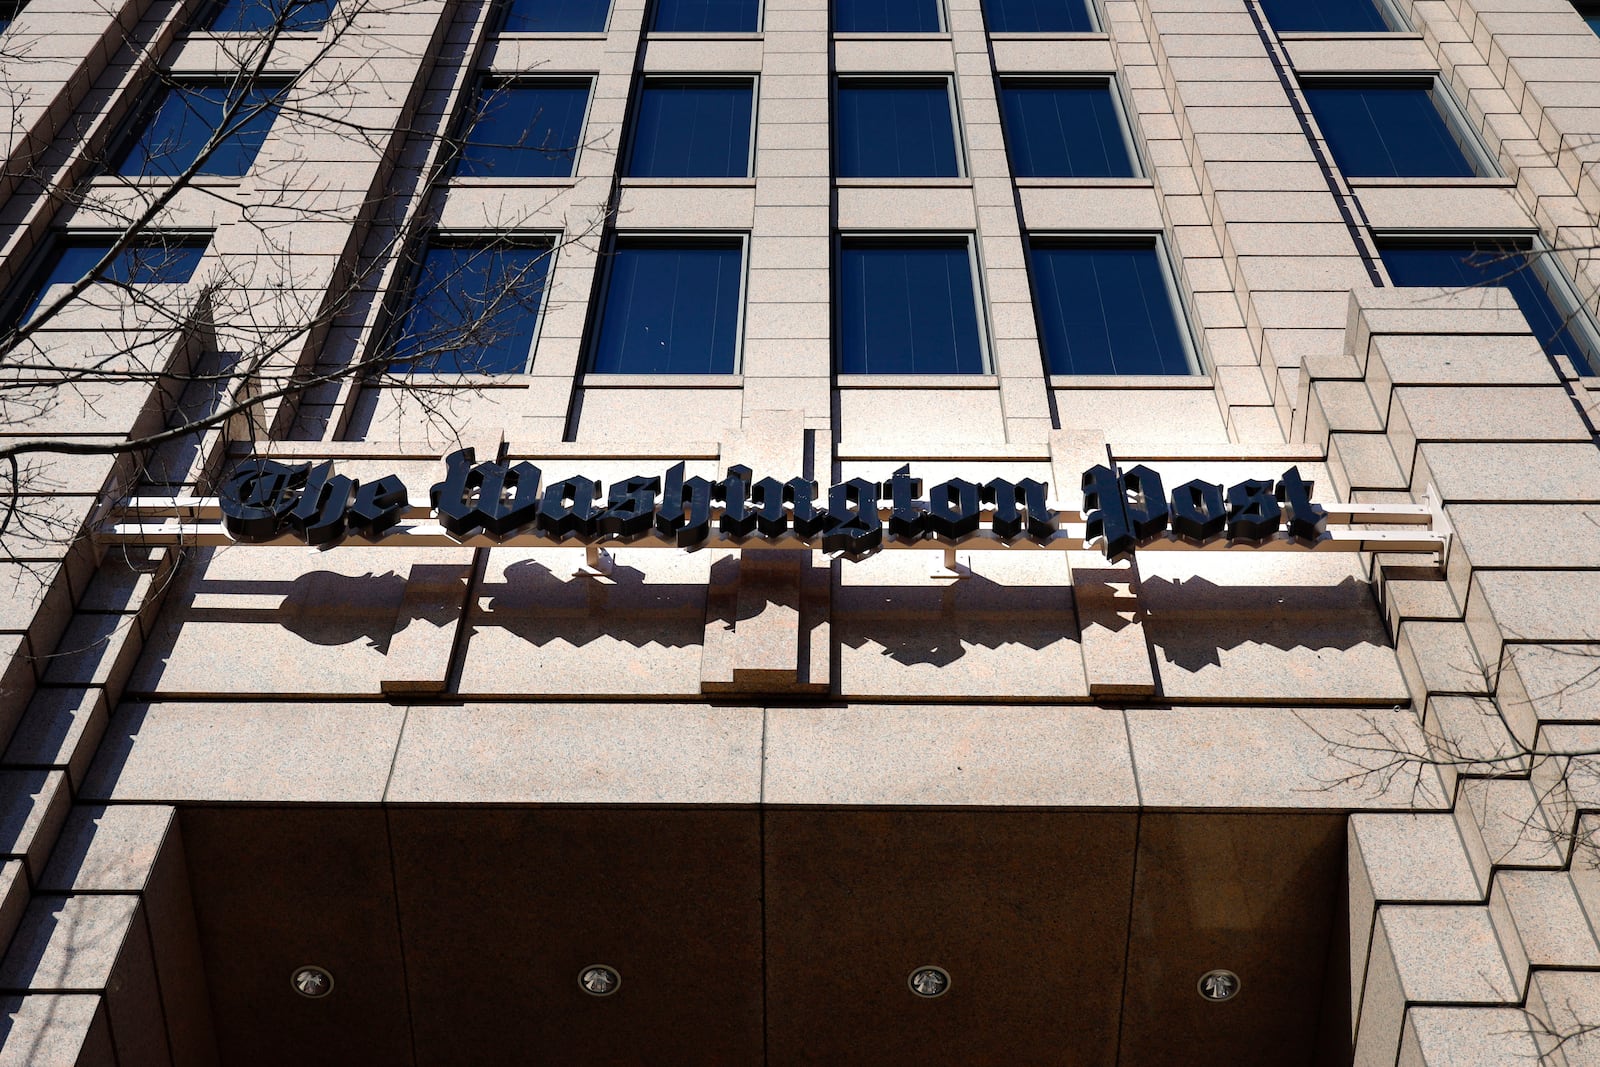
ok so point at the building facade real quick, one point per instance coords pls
(328, 741)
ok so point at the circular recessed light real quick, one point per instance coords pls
(312, 982)
(598, 980)
(929, 982)
(1218, 986)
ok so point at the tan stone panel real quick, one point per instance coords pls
(1467, 1037)
(1068, 56)
(1090, 206)
(656, 414)
(35, 807)
(1280, 627)
(909, 417)
(328, 753)
(1508, 473)
(690, 205)
(1383, 53)
(1143, 418)
(579, 754)
(302, 622)
(948, 755)
(905, 206)
(1007, 632)
(56, 1030)
(1276, 758)
(861, 56)
(536, 628)
(61, 728)
(108, 848)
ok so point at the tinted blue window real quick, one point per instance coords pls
(524, 130)
(1037, 16)
(9, 10)
(886, 16)
(1494, 263)
(670, 309)
(895, 130)
(692, 130)
(147, 263)
(248, 16)
(1105, 310)
(1593, 21)
(184, 119)
(555, 16)
(705, 16)
(1064, 131)
(908, 310)
(1337, 16)
(1387, 131)
(472, 310)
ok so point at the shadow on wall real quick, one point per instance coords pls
(1190, 620)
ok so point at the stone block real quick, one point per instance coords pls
(1547, 919)
(61, 728)
(257, 752)
(948, 755)
(56, 1030)
(34, 808)
(1467, 1037)
(648, 753)
(1277, 758)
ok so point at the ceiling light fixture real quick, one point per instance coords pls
(599, 980)
(312, 982)
(929, 982)
(1218, 985)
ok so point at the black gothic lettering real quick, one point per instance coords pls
(257, 497)
(738, 518)
(1198, 512)
(1307, 521)
(1146, 502)
(1105, 506)
(632, 510)
(907, 519)
(377, 507)
(1015, 501)
(853, 526)
(954, 509)
(568, 509)
(1253, 512)
(319, 515)
(475, 495)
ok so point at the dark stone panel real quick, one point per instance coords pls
(1027, 911)
(1252, 893)
(277, 888)
(502, 908)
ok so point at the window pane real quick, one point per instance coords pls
(473, 310)
(247, 16)
(705, 16)
(1107, 311)
(1064, 131)
(886, 16)
(896, 131)
(9, 10)
(186, 116)
(1498, 263)
(1387, 131)
(1593, 21)
(555, 16)
(1339, 16)
(147, 263)
(526, 130)
(692, 129)
(1037, 16)
(908, 310)
(670, 310)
